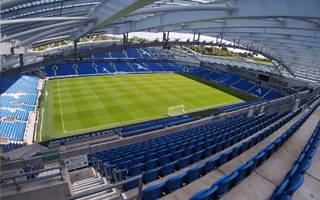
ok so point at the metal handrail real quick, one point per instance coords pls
(30, 173)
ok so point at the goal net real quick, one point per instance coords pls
(176, 110)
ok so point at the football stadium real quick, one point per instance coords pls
(167, 99)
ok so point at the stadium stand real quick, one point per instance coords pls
(294, 178)
(166, 99)
(65, 69)
(243, 84)
(105, 68)
(237, 82)
(16, 102)
(208, 139)
(225, 183)
(86, 68)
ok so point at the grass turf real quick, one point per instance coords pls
(77, 105)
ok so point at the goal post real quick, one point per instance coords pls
(176, 110)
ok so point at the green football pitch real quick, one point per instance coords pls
(77, 105)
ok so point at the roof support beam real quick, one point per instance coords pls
(43, 35)
(248, 9)
(11, 3)
(39, 29)
(108, 11)
(43, 19)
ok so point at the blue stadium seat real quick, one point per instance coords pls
(151, 175)
(175, 182)
(153, 192)
(206, 194)
(194, 173)
(168, 168)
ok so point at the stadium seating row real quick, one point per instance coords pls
(294, 178)
(135, 129)
(99, 67)
(14, 113)
(236, 82)
(225, 183)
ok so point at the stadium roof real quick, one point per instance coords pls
(288, 30)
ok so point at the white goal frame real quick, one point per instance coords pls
(176, 110)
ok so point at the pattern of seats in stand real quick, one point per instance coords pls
(16, 102)
(225, 183)
(294, 178)
(123, 67)
(138, 67)
(13, 130)
(199, 72)
(202, 169)
(136, 129)
(168, 67)
(17, 106)
(243, 85)
(86, 68)
(30, 99)
(105, 68)
(234, 81)
(273, 95)
(117, 54)
(215, 75)
(258, 91)
(65, 69)
(25, 84)
(101, 55)
(154, 67)
(145, 53)
(229, 79)
(48, 70)
(14, 113)
(133, 53)
(166, 154)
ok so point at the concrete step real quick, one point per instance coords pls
(87, 187)
(87, 183)
(86, 180)
(110, 194)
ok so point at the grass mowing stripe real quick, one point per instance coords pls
(99, 102)
(61, 114)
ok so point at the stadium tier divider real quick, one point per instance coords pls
(295, 177)
(227, 182)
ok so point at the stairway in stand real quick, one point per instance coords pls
(92, 183)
